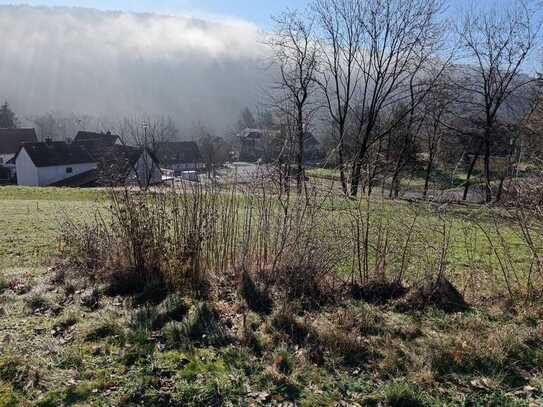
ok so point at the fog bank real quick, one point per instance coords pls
(118, 64)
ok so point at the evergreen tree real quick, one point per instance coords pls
(246, 120)
(7, 117)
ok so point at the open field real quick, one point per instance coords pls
(67, 343)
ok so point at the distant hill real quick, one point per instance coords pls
(77, 60)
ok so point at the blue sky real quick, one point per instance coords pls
(256, 11)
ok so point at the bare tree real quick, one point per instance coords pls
(58, 126)
(296, 54)
(215, 150)
(341, 28)
(437, 110)
(147, 133)
(400, 40)
(498, 44)
(513, 133)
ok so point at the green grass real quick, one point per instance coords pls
(412, 182)
(51, 194)
(30, 225)
(31, 218)
(68, 354)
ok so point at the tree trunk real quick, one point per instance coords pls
(355, 177)
(500, 189)
(300, 153)
(395, 182)
(470, 171)
(429, 168)
(488, 187)
(357, 167)
(341, 156)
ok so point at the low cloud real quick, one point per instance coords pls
(117, 64)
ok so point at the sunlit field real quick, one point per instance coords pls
(68, 340)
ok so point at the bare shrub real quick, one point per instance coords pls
(314, 248)
(514, 231)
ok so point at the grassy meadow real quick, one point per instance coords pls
(67, 340)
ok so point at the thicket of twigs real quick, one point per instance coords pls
(270, 245)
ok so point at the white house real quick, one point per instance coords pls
(48, 163)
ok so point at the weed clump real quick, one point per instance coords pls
(4, 284)
(65, 323)
(107, 329)
(285, 322)
(91, 299)
(153, 318)
(37, 303)
(201, 325)
(401, 394)
(319, 341)
(283, 362)
(13, 370)
(173, 308)
(145, 318)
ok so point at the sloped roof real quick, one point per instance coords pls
(54, 153)
(107, 139)
(121, 157)
(12, 139)
(178, 152)
(117, 163)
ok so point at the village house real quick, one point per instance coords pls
(118, 164)
(255, 144)
(88, 137)
(180, 156)
(126, 165)
(47, 163)
(92, 159)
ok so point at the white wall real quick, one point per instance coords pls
(144, 166)
(50, 175)
(27, 173)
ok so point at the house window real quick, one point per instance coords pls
(69, 170)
